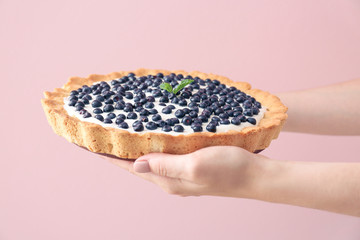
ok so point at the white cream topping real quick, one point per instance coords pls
(187, 129)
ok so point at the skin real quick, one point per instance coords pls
(234, 172)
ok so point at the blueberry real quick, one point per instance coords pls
(240, 99)
(139, 109)
(87, 115)
(72, 103)
(137, 98)
(255, 110)
(195, 109)
(235, 121)
(186, 120)
(117, 98)
(224, 115)
(195, 98)
(197, 128)
(175, 100)
(88, 97)
(164, 99)
(203, 118)
(179, 113)
(183, 102)
(213, 98)
(227, 107)
(78, 108)
(136, 123)
(186, 94)
(234, 104)
(123, 125)
(211, 127)
(80, 103)
(247, 104)
(238, 109)
(119, 120)
(144, 118)
(119, 106)
(111, 115)
(150, 99)
(248, 112)
(237, 114)
(85, 101)
(215, 123)
(257, 104)
(121, 116)
(144, 113)
(153, 111)
(128, 108)
(193, 104)
(160, 75)
(74, 92)
(174, 120)
(206, 113)
(82, 111)
(157, 93)
(166, 128)
(107, 120)
(99, 117)
(129, 95)
(73, 98)
(138, 127)
(108, 108)
(193, 114)
(242, 118)
(171, 106)
(156, 117)
(143, 101)
(217, 119)
(166, 110)
(149, 105)
(251, 120)
(160, 123)
(96, 104)
(224, 121)
(132, 115)
(178, 128)
(186, 110)
(218, 111)
(151, 126)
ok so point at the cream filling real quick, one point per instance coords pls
(187, 129)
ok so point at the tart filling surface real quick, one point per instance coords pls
(139, 104)
(127, 114)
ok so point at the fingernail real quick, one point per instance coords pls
(142, 166)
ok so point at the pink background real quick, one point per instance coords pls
(52, 190)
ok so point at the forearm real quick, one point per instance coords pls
(333, 187)
(331, 110)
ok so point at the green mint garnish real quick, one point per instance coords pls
(168, 87)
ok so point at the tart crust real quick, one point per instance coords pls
(124, 144)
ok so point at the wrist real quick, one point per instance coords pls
(263, 176)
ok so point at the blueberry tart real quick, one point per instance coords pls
(129, 114)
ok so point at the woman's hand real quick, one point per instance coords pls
(221, 171)
(234, 172)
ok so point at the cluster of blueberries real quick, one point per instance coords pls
(202, 101)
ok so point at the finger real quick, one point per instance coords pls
(162, 164)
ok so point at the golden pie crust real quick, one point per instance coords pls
(124, 144)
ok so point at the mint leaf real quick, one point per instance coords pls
(167, 87)
(182, 85)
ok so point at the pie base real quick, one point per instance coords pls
(124, 144)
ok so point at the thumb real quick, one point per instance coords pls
(162, 164)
